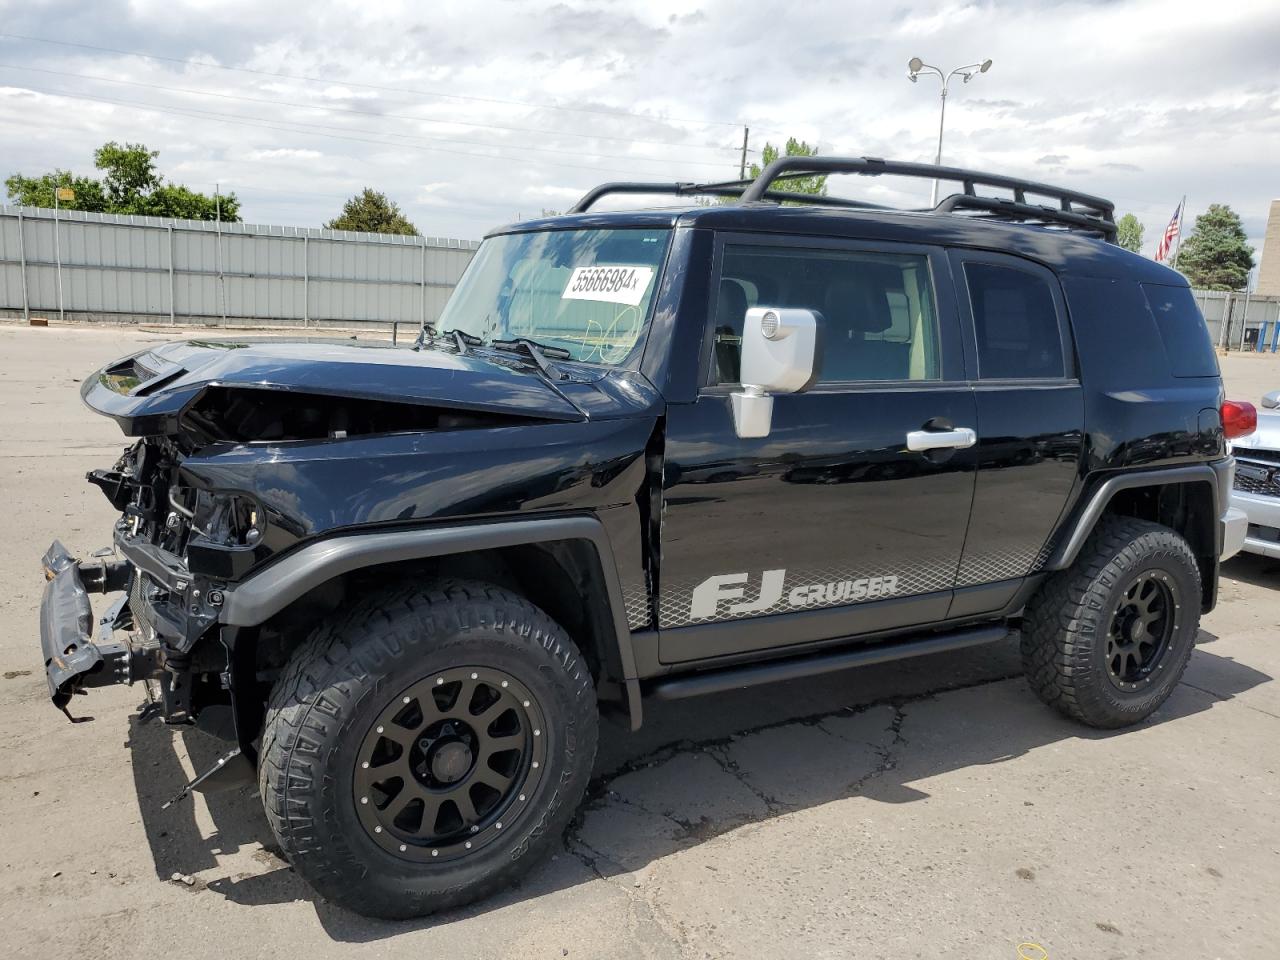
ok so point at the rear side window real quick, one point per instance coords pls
(1016, 324)
(1182, 330)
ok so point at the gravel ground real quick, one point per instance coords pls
(929, 808)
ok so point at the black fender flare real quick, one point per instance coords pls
(1086, 517)
(276, 586)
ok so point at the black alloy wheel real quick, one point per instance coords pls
(1141, 627)
(450, 763)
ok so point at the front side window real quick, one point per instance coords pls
(876, 313)
(1016, 324)
(586, 291)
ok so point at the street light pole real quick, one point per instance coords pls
(915, 67)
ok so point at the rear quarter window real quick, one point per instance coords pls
(1182, 330)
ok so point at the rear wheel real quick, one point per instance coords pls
(1106, 641)
(426, 749)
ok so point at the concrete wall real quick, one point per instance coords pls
(153, 269)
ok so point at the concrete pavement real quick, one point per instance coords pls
(929, 808)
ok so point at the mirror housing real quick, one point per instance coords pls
(779, 355)
(1271, 400)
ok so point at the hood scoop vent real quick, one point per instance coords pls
(138, 376)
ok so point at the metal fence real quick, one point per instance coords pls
(108, 267)
(1241, 321)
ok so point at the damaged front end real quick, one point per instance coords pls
(245, 452)
(73, 659)
(162, 627)
(152, 631)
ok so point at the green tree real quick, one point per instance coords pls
(1217, 255)
(371, 212)
(173, 200)
(38, 191)
(816, 185)
(1130, 233)
(130, 185)
(129, 173)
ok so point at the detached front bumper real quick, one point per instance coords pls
(73, 660)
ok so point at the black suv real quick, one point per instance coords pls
(652, 454)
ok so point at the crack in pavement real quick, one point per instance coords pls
(599, 794)
(720, 754)
(886, 760)
(636, 893)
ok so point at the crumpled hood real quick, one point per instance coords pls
(146, 392)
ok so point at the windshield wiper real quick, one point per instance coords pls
(461, 339)
(537, 352)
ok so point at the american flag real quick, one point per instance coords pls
(1170, 235)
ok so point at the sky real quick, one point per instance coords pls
(475, 114)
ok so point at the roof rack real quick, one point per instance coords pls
(1070, 209)
(727, 188)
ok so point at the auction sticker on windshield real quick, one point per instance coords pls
(616, 283)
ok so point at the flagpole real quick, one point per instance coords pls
(1177, 241)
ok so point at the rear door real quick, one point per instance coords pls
(830, 526)
(1030, 419)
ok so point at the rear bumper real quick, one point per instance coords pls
(73, 660)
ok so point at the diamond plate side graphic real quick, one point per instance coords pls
(924, 576)
(1010, 563)
(635, 601)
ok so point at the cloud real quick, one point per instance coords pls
(284, 153)
(508, 105)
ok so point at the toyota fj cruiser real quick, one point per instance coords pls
(645, 455)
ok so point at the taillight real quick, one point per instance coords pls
(1239, 418)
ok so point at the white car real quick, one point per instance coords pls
(1257, 483)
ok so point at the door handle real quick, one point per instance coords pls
(961, 438)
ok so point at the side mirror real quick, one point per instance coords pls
(1270, 400)
(779, 354)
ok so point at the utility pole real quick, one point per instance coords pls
(59, 193)
(222, 280)
(742, 165)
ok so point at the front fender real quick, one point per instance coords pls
(273, 588)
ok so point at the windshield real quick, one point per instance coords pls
(586, 291)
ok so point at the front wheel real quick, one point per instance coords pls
(1107, 640)
(424, 750)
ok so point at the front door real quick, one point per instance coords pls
(833, 525)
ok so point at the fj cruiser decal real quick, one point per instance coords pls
(730, 586)
(708, 595)
(843, 591)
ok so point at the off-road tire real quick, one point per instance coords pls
(1064, 635)
(347, 673)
